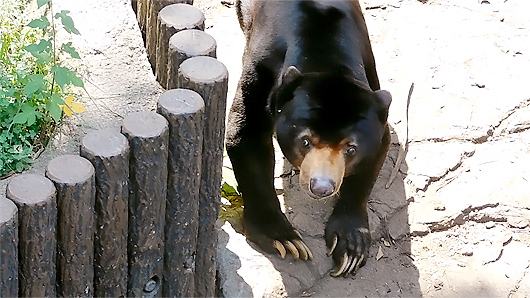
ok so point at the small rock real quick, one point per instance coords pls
(379, 254)
(491, 253)
(462, 263)
(417, 229)
(439, 207)
(438, 284)
(490, 224)
(467, 251)
(506, 237)
(518, 222)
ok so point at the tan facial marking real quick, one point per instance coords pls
(322, 163)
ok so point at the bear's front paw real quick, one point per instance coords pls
(348, 240)
(274, 233)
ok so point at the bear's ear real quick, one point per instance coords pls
(283, 92)
(384, 99)
(289, 75)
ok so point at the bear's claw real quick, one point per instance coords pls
(279, 246)
(348, 240)
(333, 245)
(348, 265)
(297, 248)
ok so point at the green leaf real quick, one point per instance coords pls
(28, 114)
(65, 76)
(41, 23)
(36, 82)
(9, 92)
(36, 49)
(70, 50)
(40, 3)
(53, 107)
(228, 189)
(67, 21)
(44, 58)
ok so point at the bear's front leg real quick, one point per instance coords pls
(252, 155)
(347, 232)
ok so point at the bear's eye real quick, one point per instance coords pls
(305, 142)
(351, 149)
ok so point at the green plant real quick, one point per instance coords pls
(35, 86)
(231, 200)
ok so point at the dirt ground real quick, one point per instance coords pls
(454, 223)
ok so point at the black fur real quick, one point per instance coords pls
(331, 91)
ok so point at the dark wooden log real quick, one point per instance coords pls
(184, 110)
(208, 77)
(141, 14)
(186, 44)
(147, 133)
(172, 19)
(35, 198)
(108, 151)
(134, 5)
(8, 248)
(152, 27)
(74, 180)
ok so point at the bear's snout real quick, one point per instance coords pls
(322, 187)
(321, 172)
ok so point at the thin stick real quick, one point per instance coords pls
(402, 149)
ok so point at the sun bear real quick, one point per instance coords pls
(309, 78)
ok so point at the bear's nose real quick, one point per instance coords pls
(322, 187)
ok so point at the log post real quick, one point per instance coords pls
(108, 151)
(9, 248)
(184, 110)
(74, 180)
(147, 133)
(35, 198)
(186, 44)
(152, 28)
(134, 5)
(208, 77)
(172, 19)
(141, 15)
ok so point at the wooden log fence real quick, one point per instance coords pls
(184, 109)
(208, 77)
(74, 180)
(186, 44)
(173, 19)
(9, 248)
(108, 151)
(35, 196)
(133, 215)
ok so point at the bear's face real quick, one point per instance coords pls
(327, 127)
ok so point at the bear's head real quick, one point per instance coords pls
(328, 125)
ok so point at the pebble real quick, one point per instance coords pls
(462, 263)
(417, 229)
(491, 253)
(490, 224)
(467, 251)
(518, 222)
(439, 207)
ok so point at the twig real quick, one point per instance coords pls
(402, 149)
